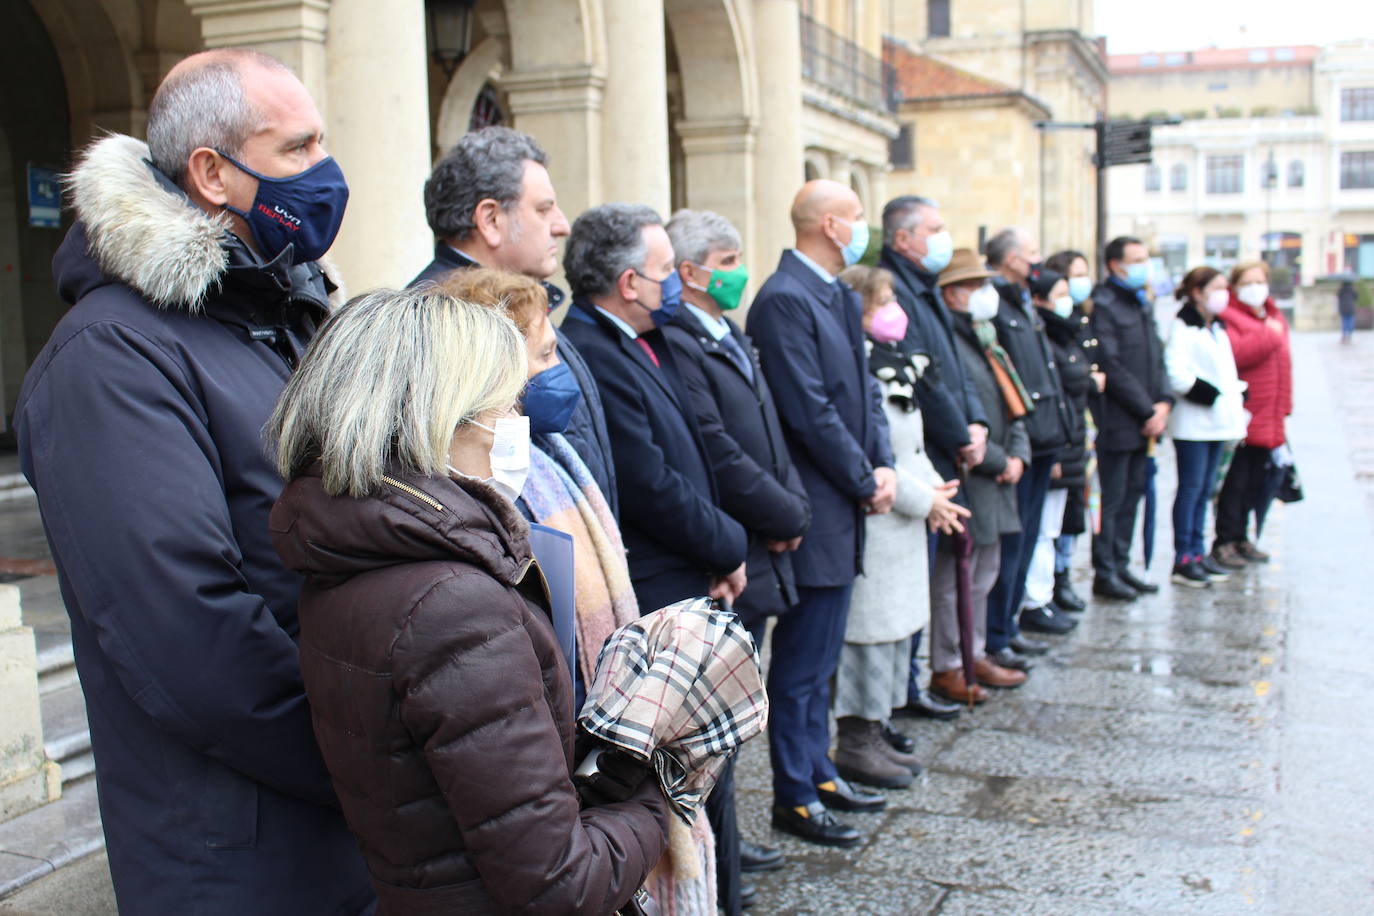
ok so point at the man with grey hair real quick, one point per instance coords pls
(758, 484)
(916, 247)
(490, 202)
(193, 290)
(625, 286)
(1014, 254)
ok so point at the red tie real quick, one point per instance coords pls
(644, 345)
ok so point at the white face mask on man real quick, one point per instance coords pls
(983, 302)
(510, 456)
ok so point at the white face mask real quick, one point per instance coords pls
(1217, 301)
(1253, 294)
(1063, 306)
(982, 304)
(510, 455)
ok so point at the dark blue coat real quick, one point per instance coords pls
(586, 430)
(946, 394)
(809, 336)
(676, 536)
(758, 484)
(140, 428)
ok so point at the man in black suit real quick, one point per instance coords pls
(809, 331)
(490, 202)
(680, 544)
(759, 486)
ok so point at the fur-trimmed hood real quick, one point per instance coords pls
(142, 230)
(138, 228)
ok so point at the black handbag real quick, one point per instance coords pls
(1290, 486)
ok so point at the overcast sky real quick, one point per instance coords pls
(1185, 25)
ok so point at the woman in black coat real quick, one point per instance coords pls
(1075, 350)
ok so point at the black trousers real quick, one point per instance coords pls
(1122, 475)
(1242, 487)
(720, 811)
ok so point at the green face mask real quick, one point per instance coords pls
(727, 286)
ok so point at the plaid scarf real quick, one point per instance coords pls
(1014, 393)
(680, 688)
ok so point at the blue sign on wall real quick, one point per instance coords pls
(45, 197)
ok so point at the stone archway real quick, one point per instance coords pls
(95, 45)
(718, 95)
(34, 133)
(481, 67)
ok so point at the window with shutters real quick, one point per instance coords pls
(937, 18)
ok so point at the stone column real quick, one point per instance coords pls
(561, 108)
(634, 123)
(779, 170)
(720, 177)
(27, 778)
(377, 126)
(293, 30)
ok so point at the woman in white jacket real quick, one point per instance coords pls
(1209, 413)
(891, 600)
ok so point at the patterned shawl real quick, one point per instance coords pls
(1008, 379)
(680, 688)
(562, 494)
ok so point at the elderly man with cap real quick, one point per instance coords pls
(809, 332)
(990, 485)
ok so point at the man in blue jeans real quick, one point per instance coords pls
(1021, 332)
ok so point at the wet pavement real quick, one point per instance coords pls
(1197, 751)
(1193, 752)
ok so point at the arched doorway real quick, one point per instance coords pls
(35, 142)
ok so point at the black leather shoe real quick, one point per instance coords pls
(845, 797)
(1008, 657)
(926, 706)
(1044, 620)
(1022, 644)
(897, 740)
(748, 896)
(755, 857)
(1113, 587)
(817, 825)
(1140, 585)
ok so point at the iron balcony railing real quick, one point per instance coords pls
(833, 61)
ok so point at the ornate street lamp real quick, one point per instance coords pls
(450, 32)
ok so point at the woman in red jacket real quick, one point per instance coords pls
(1259, 339)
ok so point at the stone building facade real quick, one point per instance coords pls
(1014, 64)
(1278, 165)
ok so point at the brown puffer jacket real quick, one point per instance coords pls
(443, 704)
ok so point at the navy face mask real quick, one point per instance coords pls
(671, 301)
(550, 398)
(303, 210)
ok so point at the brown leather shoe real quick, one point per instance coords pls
(1229, 556)
(1252, 553)
(991, 674)
(950, 685)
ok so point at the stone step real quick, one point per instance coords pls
(46, 839)
(56, 667)
(66, 736)
(14, 486)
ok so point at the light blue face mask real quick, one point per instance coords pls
(1138, 274)
(939, 249)
(858, 243)
(1080, 288)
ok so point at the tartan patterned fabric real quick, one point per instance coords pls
(682, 689)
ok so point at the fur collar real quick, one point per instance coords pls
(142, 230)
